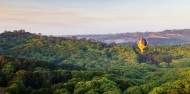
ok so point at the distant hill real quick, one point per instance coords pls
(166, 37)
(70, 51)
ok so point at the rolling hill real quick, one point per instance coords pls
(166, 37)
(38, 64)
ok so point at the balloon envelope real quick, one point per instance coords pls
(143, 41)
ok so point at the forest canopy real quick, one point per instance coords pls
(38, 64)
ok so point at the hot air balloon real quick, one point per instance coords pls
(142, 44)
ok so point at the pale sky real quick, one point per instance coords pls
(70, 17)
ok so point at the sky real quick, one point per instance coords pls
(77, 17)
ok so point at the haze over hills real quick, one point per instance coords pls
(166, 37)
(90, 47)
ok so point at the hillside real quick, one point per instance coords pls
(37, 64)
(167, 37)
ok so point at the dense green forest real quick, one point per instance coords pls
(37, 64)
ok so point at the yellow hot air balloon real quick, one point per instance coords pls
(142, 44)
